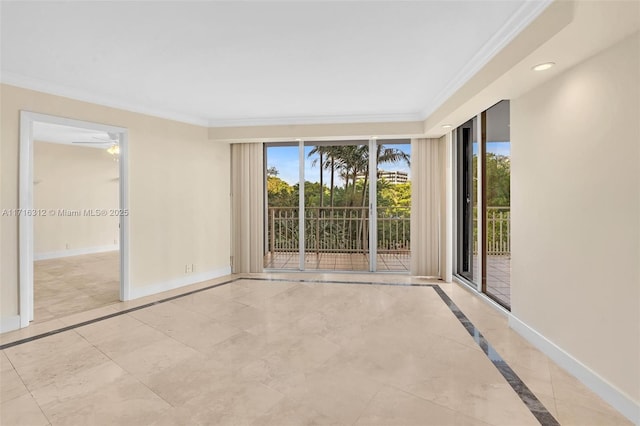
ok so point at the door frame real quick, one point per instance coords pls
(25, 222)
(458, 212)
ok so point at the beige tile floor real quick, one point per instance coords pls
(285, 353)
(70, 285)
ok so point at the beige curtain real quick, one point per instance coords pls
(247, 207)
(427, 207)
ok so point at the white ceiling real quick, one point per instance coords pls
(57, 133)
(249, 63)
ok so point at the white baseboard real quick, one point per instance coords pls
(149, 290)
(75, 252)
(614, 396)
(9, 323)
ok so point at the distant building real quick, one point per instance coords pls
(393, 177)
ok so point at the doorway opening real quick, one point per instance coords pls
(74, 221)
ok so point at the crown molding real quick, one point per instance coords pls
(529, 11)
(39, 85)
(30, 83)
(318, 119)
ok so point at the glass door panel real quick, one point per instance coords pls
(336, 215)
(498, 204)
(281, 211)
(393, 205)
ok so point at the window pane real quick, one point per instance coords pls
(282, 220)
(498, 196)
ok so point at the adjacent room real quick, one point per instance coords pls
(76, 228)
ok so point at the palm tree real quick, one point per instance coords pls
(350, 161)
(329, 160)
(384, 155)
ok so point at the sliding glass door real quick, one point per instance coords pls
(355, 202)
(483, 202)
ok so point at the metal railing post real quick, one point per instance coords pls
(273, 231)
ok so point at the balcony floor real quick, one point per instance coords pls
(498, 277)
(386, 262)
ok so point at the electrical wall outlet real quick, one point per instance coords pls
(188, 268)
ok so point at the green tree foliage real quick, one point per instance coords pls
(349, 162)
(498, 175)
(498, 180)
(280, 193)
(390, 195)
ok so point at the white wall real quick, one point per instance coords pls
(74, 178)
(576, 213)
(178, 194)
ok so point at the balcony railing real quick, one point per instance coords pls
(338, 229)
(498, 232)
(346, 230)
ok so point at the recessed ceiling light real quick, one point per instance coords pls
(447, 126)
(543, 66)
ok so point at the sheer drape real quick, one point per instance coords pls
(427, 207)
(247, 207)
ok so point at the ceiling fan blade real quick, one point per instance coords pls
(93, 142)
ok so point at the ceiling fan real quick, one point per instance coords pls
(113, 142)
(113, 139)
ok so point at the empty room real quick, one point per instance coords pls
(296, 213)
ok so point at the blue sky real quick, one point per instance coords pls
(500, 148)
(285, 159)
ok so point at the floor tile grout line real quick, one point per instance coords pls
(29, 391)
(38, 404)
(534, 405)
(553, 388)
(455, 411)
(124, 369)
(366, 406)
